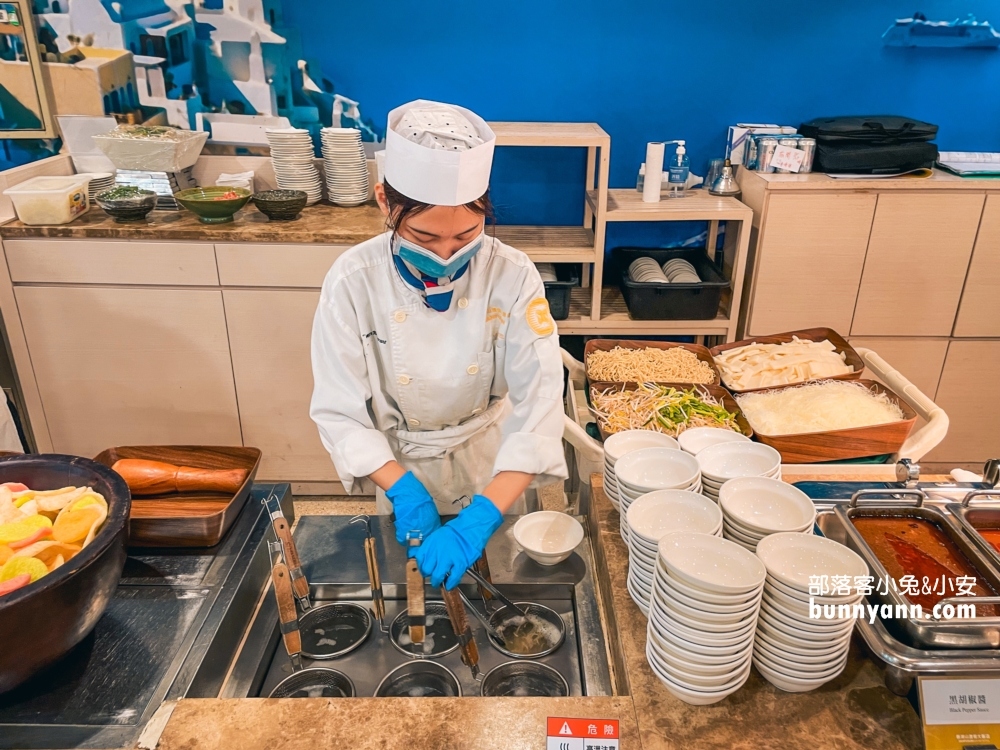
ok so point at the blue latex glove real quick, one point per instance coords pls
(414, 508)
(448, 552)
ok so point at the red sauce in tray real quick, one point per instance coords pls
(992, 536)
(917, 547)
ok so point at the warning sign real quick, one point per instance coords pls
(581, 734)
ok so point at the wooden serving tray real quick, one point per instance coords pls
(606, 345)
(836, 445)
(811, 334)
(186, 519)
(723, 396)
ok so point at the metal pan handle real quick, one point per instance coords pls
(920, 495)
(967, 600)
(967, 500)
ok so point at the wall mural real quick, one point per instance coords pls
(217, 65)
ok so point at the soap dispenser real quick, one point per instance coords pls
(678, 170)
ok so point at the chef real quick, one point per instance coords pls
(435, 358)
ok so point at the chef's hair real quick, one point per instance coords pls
(402, 207)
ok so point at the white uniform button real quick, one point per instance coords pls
(414, 422)
(463, 303)
(472, 369)
(399, 317)
(403, 380)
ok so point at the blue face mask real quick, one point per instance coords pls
(430, 263)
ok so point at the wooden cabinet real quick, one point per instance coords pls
(979, 311)
(269, 333)
(130, 366)
(807, 275)
(303, 266)
(967, 393)
(919, 359)
(918, 256)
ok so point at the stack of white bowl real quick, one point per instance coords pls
(547, 271)
(618, 445)
(703, 615)
(680, 271)
(345, 166)
(652, 517)
(756, 507)
(793, 651)
(697, 439)
(649, 469)
(731, 460)
(292, 156)
(647, 270)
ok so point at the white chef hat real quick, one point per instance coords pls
(437, 153)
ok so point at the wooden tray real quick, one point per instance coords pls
(723, 396)
(606, 345)
(836, 445)
(811, 334)
(186, 519)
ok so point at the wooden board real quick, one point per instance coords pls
(186, 519)
(606, 345)
(840, 344)
(835, 445)
(979, 310)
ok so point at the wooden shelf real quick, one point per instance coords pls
(550, 244)
(627, 205)
(550, 134)
(616, 321)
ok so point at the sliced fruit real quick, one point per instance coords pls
(17, 530)
(16, 566)
(73, 526)
(13, 584)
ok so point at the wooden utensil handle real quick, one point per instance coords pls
(299, 583)
(371, 558)
(483, 568)
(286, 609)
(157, 478)
(415, 601)
(460, 624)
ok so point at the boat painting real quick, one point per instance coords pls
(961, 33)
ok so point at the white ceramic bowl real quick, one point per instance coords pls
(658, 513)
(711, 563)
(700, 697)
(697, 439)
(799, 661)
(695, 667)
(789, 685)
(651, 469)
(667, 588)
(687, 651)
(792, 558)
(802, 624)
(803, 594)
(620, 443)
(738, 459)
(712, 597)
(547, 536)
(693, 615)
(767, 505)
(697, 680)
(801, 672)
(664, 623)
(798, 628)
(800, 648)
(798, 608)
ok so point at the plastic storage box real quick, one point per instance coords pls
(557, 292)
(50, 200)
(651, 301)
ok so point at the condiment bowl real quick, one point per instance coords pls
(738, 459)
(793, 558)
(651, 469)
(210, 205)
(696, 439)
(547, 536)
(711, 563)
(129, 208)
(280, 205)
(767, 505)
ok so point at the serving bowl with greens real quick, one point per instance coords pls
(126, 203)
(215, 204)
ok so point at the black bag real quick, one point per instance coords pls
(874, 144)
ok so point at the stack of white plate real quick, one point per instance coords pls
(794, 651)
(99, 182)
(697, 439)
(756, 507)
(618, 445)
(652, 517)
(703, 615)
(647, 270)
(345, 165)
(680, 271)
(292, 156)
(731, 460)
(547, 271)
(649, 469)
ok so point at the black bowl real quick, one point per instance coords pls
(280, 205)
(42, 621)
(128, 209)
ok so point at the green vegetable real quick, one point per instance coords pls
(674, 408)
(123, 191)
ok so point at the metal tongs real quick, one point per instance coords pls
(483, 619)
(495, 591)
(374, 577)
(289, 553)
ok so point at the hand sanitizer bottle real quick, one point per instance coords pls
(678, 170)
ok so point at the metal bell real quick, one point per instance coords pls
(725, 184)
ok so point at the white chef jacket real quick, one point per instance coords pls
(454, 396)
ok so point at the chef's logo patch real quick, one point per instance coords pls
(539, 318)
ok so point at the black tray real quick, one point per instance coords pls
(652, 301)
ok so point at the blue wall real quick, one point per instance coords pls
(648, 71)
